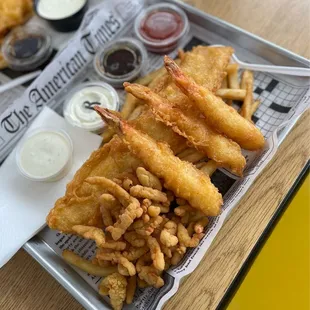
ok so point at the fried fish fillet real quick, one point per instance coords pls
(216, 146)
(80, 204)
(219, 115)
(181, 177)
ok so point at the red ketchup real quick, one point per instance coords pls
(161, 27)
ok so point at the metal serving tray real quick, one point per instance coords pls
(46, 256)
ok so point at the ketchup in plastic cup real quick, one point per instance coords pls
(161, 26)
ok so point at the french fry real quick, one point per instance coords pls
(107, 134)
(194, 157)
(136, 112)
(225, 86)
(147, 79)
(186, 152)
(131, 289)
(224, 83)
(209, 167)
(247, 82)
(181, 54)
(132, 102)
(129, 105)
(86, 265)
(254, 106)
(232, 71)
(234, 94)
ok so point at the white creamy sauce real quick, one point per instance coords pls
(79, 110)
(58, 9)
(44, 154)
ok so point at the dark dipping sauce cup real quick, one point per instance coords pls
(120, 61)
(26, 48)
(161, 27)
(66, 24)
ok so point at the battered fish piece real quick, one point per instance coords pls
(219, 115)
(181, 177)
(214, 145)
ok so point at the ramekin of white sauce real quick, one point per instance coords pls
(45, 155)
(59, 9)
(78, 107)
(63, 15)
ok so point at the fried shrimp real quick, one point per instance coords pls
(185, 180)
(219, 115)
(224, 151)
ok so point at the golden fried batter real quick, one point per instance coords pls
(115, 286)
(184, 179)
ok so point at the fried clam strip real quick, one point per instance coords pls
(219, 115)
(167, 235)
(107, 203)
(149, 193)
(224, 151)
(151, 275)
(134, 239)
(146, 229)
(92, 233)
(115, 286)
(156, 253)
(185, 239)
(148, 179)
(114, 245)
(181, 177)
(132, 206)
(200, 225)
(125, 267)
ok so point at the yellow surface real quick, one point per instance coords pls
(279, 276)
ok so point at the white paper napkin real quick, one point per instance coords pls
(24, 204)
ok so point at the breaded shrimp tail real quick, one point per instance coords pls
(185, 180)
(224, 151)
(219, 115)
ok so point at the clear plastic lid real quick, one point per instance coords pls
(120, 61)
(161, 45)
(26, 48)
(78, 107)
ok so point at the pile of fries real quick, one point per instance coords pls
(12, 13)
(148, 230)
(151, 181)
(243, 91)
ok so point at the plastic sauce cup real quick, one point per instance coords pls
(45, 155)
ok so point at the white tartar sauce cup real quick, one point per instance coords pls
(45, 155)
(78, 107)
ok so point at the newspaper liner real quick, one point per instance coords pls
(283, 101)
